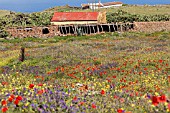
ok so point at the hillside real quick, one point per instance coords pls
(4, 12)
(132, 9)
(126, 13)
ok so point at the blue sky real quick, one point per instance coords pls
(39, 5)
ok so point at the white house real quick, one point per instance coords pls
(101, 5)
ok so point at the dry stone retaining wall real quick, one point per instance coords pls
(55, 31)
(151, 26)
(33, 31)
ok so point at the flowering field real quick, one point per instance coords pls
(107, 73)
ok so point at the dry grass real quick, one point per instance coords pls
(4, 12)
(143, 10)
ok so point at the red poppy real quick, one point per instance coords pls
(155, 100)
(130, 83)
(4, 102)
(75, 98)
(101, 73)
(19, 98)
(114, 76)
(48, 73)
(4, 83)
(10, 99)
(145, 69)
(94, 106)
(108, 80)
(162, 98)
(131, 94)
(12, 96)
(40, 92)
(123, 70)
(116, 97)
(4, 109)
(102, 92)
(31, 86)
(57, 69)
(118, 69)
(167, 64)
(40, 84)
(120, 111)
(137, 93)
(16, 102)
(160, 61)
(62, 69)
(81, 103)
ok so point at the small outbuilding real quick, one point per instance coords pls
(77, 18)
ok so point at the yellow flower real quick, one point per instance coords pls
(152, 106)
(166, 103)
(132, 105)
(149, 101)
(108, 86)
(157, 94)
(27, 104)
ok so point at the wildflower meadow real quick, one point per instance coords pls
(106, 73)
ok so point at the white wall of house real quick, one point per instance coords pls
(74, 22)
(95, 5)
(117, 5)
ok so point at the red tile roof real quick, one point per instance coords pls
(74, 16)
(111, 3)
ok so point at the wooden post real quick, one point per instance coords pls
(102, 28)
(88, 32)
(94, 29)
(86, 29)
(65, 29)
(125, 26)
(61, 30)
(109, 27)
(90, 29)
(117, 27)
(97, 29)
(83, 30)
(22, 55)
(73, 29)
(69, 30)
(114, 27)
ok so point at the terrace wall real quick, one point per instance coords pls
(88, 29)
(33, 32)
(151, 26)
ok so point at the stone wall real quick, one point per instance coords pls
(151, 26)
(19, 32)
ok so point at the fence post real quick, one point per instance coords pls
(22, 55)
